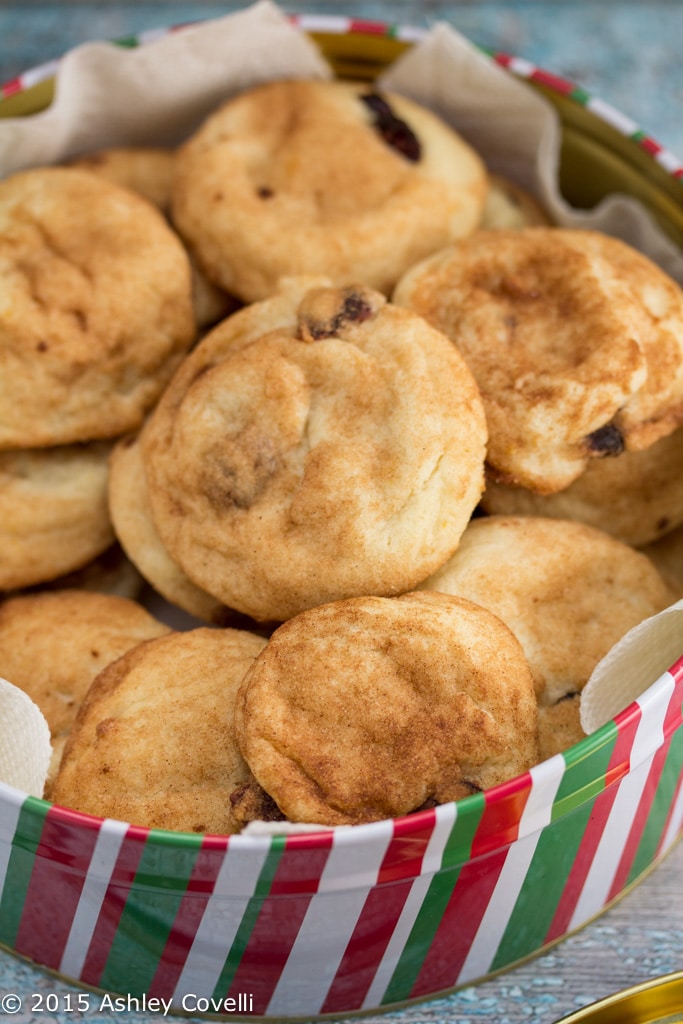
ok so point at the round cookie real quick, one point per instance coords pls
(576, 342)
(153, 743)
(95, 308)
(53, 512)
(149, 171)
(321, 444)
(330, 177)
(508, 206)
(53, 644)
(134, 527)
(567, 591)
(667, 554)
(372, 708)
(637, 498)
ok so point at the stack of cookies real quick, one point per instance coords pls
(387, 435)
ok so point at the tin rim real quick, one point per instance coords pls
(658, 1001)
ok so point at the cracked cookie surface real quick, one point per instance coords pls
(299, 177)
(95, 308)
(575, 339)
(318, 445)
(373, 708)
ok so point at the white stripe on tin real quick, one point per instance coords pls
(522, 67)
(102, 862)
(337, 24)
(11, 802)
(431, 863)
(239, 873)
(605, 863)
(546, 779)
(350, 871)
(38, 74)
(606, 112)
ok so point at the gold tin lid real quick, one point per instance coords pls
(659, 1001)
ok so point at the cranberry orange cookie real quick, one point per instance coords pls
(149, 172)
(298, 177)
(508, 206)
(576, 342)
(372, 708)
(134, 527)
(153, 743)
(567, 591)
(95, 307)
(638, 497)
(52, 645)
(318, 445)
(53, 512)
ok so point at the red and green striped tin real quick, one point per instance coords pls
(374, 916)
(351, 919)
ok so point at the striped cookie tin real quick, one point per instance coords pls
(334, 923)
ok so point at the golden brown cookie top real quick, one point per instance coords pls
(147, 170)
(296, 177)
(567, 591)
(153, 743)
(320, 444)
(53, 644)
(96, 309)
(134, 527)
(559, 341)
(53, 512)
(372, 708)
(637, 497)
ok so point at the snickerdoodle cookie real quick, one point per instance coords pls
(154, 743)
(331, 177)
(373, 707)
(53, 512)
(638, 497)
(566, 590)
(95, 307)
(575, 339)
(321, 444)
(134, 527)
(510, 206)
(149, 171)
(53, 644)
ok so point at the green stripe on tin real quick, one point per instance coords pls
(160, 883)
(20, 866)
(421, 938)
(661, 805)
(128, 42)
(580, 96)
(555, 853)
(250, 916)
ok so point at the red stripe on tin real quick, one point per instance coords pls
(120, 884)
(553, 81)
(373, 28)
(60, 866)
(649, 145)
(188, 917)
(472, 892)
(381, 911)
(672, 721)
(617, 768)
(296, 880)
(677, 672)
(14, 85)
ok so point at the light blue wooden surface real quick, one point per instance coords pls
(630, 55)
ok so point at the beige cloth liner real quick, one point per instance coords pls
(155, 94)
